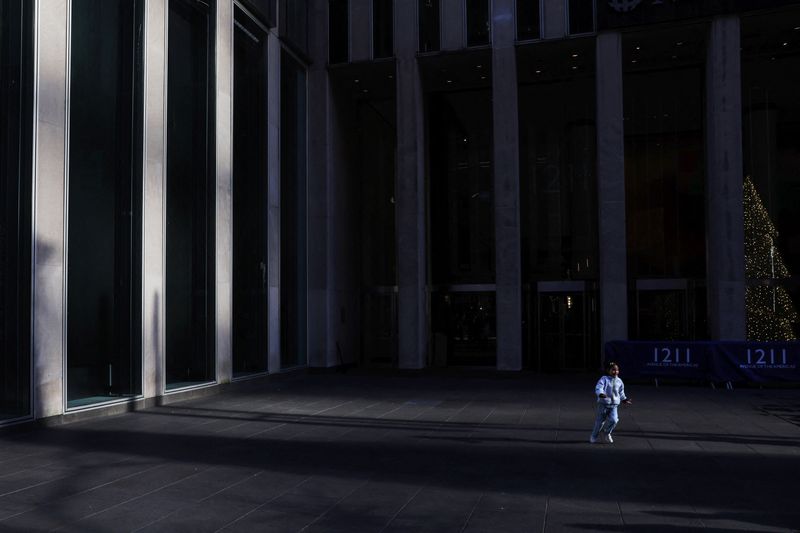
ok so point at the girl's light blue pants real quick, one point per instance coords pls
(606, 419)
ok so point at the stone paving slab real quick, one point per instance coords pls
(439, 453)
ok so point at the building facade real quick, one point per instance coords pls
(198, 191)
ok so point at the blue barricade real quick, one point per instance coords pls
(756, 362)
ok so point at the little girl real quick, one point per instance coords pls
(610, 391)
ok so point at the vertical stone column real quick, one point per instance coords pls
(508, 251)
(410, 196)
(611, 190)
(319, 104)
(224, 197)
(274, 201)
(724, 190)
(49, 275)
(360, 30)
(153, 230)
(453, 24)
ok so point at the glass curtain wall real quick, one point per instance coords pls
(771, 123)
(104, 358)
(581, 17)
(294, 286)
(294, 23)
(528, 20)
(461, 215)
(15, 176)
(479, 28)
(376, 126)
(339, 31)
(250, 206)
(558, 185)
(190, 195)
(664, 94)
(429, 25)
(382, 28)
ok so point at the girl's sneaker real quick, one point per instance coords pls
(607, 438)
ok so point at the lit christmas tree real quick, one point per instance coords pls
(770, 310)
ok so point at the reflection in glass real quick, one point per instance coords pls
(249, 309)
(478, 24)
(190, 196)
(464, 328)
(15, 176)
(429, 25)
(771, 124)
(104, 213)
(294, 287)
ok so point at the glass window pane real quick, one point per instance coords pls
(103, 272)
(461, 187)
(293, 213)
(250, 207)
(528, 16)
(478, 23)
(190, 196)
(664, 94)
(429, 25)
(15, 176)
(382, 28)
(294, 23)
(581, 16)
(557, 154)
(339, 31)
(771, 138)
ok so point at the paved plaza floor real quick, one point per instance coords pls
(439, 453)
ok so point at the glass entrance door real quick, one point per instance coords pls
(566, 335)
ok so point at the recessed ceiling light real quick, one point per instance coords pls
(538, 72)
(356, 81)
(483, 77)
(478, 66)
(638, 47)
(574, 55)
(449, 81)
(574, 67)
(785, 44)
(679, 43)
(633, 61)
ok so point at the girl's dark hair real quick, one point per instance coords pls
(610, 365)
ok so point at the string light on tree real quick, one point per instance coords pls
(770, 311)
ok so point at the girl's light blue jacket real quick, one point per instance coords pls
(613, 388)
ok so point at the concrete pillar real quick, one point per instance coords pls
(453, 23)
(611, 190)
(724, 192)
(360, 30)
(49, 276)
(224, 198)
(508, 250)
(555, 22)
(274, 201)
(153, 234)
(319, 100)
(410, 196)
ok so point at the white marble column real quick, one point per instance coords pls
(410, 196)
(153, 238)
(49, 276)
(508, 251)
(611, 190)
(724, 189)
(224, 198)
(274, 201)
